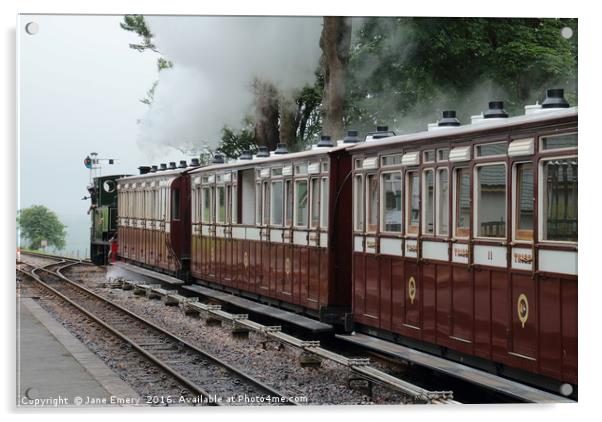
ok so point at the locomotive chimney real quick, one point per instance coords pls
(246, 155)
(449, 119)
(153, 169)
(172, 165)
(144, 169)
(182, 164)
(218, 159)
(263, 152)
(351, 137)
(163, 167)
(194, 162)
(325, 142)
(382, 128)
(555, 99)
(281, 149)
(496, 111)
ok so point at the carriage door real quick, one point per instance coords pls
(276, 222)
(412, 280)
(209, 230)
(461, 286)
(313, 287)
(286, 290)
(300, 234)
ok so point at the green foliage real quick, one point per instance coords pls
(150, 94)
(233, 143)
(38, 223)
(137, 24)
(404, 65)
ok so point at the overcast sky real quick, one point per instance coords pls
(79, 91)
(80, 86)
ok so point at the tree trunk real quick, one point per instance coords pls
(334, 42)
(266, 114)
(288, 122)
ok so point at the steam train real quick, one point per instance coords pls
(460, 240)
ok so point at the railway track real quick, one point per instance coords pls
(206, 379)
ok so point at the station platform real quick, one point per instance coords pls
(54, 369)
(261, 309)
(475, 376)
(153, 275)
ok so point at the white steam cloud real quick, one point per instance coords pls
(215, 62)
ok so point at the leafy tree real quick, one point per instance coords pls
(234, 143)
(38, 223)
(399, 64)
(138, 25)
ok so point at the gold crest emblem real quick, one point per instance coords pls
(412, 289)
(287, 266)
(246, 260)
(522, 309)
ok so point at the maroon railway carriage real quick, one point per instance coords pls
(465, 241)
(154, 218)
(275, 228)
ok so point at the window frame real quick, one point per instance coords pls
(289, 204)
(478, 157)
(516, 192)
(542, 137)
(412, 230)
(272, 202)
(465, 234)
(438, 171)
(383, 202)
(324, 201)
(296, 205)
(371, 228)
(540, 200)
(475, 201)
(356, 204)
(423, 206)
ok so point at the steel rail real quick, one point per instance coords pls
(250, 380)
(183, 380)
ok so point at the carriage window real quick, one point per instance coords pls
(221, 204)
(560, 199)
(442, 202)
(428, 156)
(324, 203)
(443, 154)
(559, 142)
(489, 150)
(491, 201)
(391, 200)
(246, 185)
(372, 202)
(266, 205)
(524, 201)
(462, 198)
(413, 205)
(175, 204)
(277, 203)
(258, 204)
(289, 203)
(359, 203)
(315, 202)
(228, 204)
(234, 203)
(391, 160)
(301, 203)
(429, 203)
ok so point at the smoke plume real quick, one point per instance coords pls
(216, 60)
